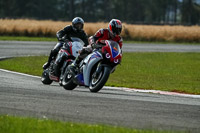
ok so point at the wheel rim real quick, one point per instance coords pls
(95, 80)
(67, 77)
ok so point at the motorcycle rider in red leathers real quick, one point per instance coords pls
(112, 33)
(98, 40)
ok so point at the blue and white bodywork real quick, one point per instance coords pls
(88, 64)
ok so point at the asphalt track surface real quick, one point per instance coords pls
(24, 48)
(25, 95)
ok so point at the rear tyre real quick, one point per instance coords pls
(67, 81)
(45, 78)
(98, 82)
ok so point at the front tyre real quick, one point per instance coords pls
(97, 82)
(45, 78)
(67, 81)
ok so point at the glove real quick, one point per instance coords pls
(93, 45)
(96, 46)
(87, 50)
(59, 39)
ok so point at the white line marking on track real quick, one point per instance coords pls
(19, 73)
(154, 91)
(123, 88)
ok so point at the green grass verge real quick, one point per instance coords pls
(29, 65)
(10, 124)
(178, 72)
(25, 38)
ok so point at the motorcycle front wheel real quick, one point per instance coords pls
(67, 81)
(97, 82)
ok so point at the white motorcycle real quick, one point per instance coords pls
(66, 55)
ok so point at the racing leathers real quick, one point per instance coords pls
(96, 41)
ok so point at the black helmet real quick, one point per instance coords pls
(115, 27)
(77, 23)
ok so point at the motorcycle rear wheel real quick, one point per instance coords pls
(45, 78)
(97, 84)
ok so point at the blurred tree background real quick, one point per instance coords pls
(185, 12)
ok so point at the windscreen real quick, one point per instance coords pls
(115, 48)
(75, 39)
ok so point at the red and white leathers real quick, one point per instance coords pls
(98, 40)
(102, 35)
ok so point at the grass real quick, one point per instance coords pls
(29, 65)
(177, 72)
(9, 124)
(48, 28)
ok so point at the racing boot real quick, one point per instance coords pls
(75, 65)
(46, 65)
(51, 56)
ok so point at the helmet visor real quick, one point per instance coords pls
(78, 26)
(117, 31)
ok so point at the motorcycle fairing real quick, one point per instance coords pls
(76, 48)
(114, 47)
(60, 55)
(89, 62)
(79, 79)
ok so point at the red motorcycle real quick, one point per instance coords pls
(66, 55)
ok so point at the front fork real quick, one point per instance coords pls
(64, 67)
(98, 70)
(100, 67)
